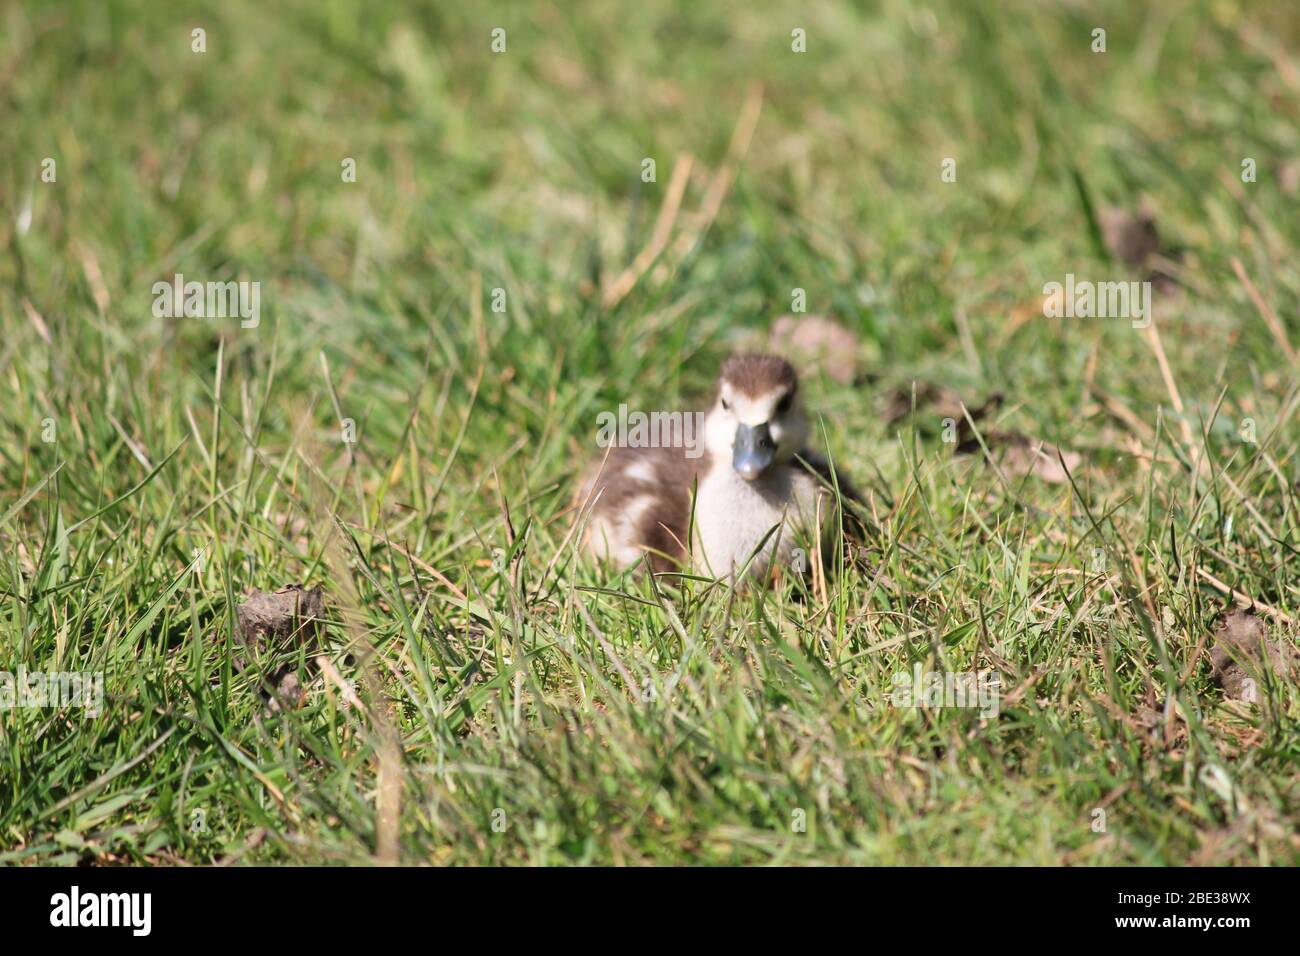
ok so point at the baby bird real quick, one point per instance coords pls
(754, 475)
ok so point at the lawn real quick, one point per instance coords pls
(475, 228)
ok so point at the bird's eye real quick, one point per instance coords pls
(783, 405)
(726, 405)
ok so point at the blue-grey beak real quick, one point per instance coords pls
(752, 451)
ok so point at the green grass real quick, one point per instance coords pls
(518, 697)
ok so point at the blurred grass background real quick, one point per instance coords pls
(518, 697)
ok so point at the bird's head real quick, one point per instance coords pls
(757, 419)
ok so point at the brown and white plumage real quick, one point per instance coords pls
(754, 474)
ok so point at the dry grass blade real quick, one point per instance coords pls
(1270, 317)
(626, 281)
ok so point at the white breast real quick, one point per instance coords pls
(733, 515)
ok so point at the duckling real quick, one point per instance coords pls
(753, 474)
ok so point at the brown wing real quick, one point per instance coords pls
(643, 496)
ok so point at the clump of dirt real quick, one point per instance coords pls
(1130, 236)
(1132, 239)
(820, 344)
(275, 622)
(1018, 454)
(1242, 653)
(937, 401)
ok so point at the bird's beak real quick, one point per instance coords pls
(752, 451)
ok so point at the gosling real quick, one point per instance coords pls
(758, 490)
